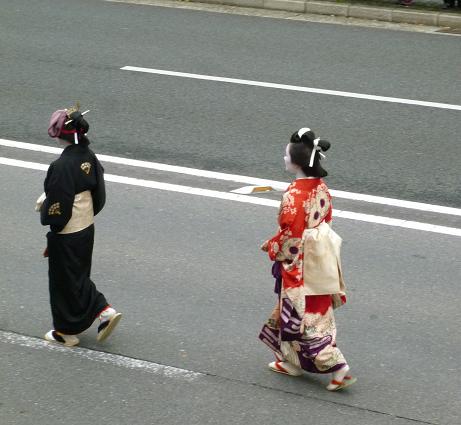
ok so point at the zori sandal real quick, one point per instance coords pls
(106, 327)
(59, 338)
(339, 385)
(285, 368)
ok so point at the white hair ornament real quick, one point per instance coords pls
(303, 131)
(315, 149)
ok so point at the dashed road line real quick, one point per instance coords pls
(293, 88)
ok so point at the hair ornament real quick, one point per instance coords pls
(303, 131)
(315, 149)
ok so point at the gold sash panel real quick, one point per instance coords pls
(82, 213)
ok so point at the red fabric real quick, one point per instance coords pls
(103, 310)
(305, 204)
(318, 304)
(64, 131)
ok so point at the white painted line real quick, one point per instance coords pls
(99, 356)
(420, 206)
(254, 181)
(154, 165)
(30, 146)
(156, 185)
(293, 88)
(23, 164)
(191, 190)
(396, 222)
(427, 227)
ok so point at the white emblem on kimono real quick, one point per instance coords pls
(86, 167)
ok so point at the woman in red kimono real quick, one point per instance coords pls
(302, 331)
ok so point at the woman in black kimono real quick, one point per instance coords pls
(74, 194)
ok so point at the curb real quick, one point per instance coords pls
(387, 14)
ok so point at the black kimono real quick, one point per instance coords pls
(75, 192)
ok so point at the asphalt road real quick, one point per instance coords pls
(54, 53)
(187, 273)
(186, 270)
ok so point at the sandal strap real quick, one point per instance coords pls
(280, 367)
(335, 382)
(58, 337)
(103, 325)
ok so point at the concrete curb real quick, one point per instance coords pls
(387, 14)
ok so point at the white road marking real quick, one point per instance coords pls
(254, 181)
(293, 88)
(156, 185)
(99, 356)
(23, 164)
(427, 227)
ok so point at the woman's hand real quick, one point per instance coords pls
(39, 202)
(274, 320)
(265, 246)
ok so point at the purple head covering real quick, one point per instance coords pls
(57, 121)
(69, 125)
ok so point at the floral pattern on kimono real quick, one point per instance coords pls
(305, 204)
(308, 342)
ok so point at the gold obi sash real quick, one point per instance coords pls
(82, 213)
(322, 272)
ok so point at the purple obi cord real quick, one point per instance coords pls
(277, 273)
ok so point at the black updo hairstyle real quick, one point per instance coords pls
(78, 126)
(300, 149)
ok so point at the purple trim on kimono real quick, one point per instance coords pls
(309, 349)
(270, 337)
(290, 324)
(277, 274)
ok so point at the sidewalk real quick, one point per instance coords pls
(421, 13)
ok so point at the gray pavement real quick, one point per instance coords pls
(187, 273)
(378, 148)
(80, 392)
(186, 270)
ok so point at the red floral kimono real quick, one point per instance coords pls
(306, 339)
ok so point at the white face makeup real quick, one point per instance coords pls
(289, 166)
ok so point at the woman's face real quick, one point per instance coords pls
(289, 166)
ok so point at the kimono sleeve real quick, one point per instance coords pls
(99, 192)
(56, 210)
(287, 217)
